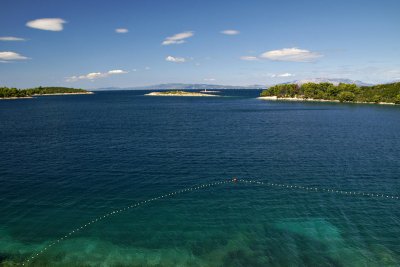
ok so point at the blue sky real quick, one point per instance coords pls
(76, 43)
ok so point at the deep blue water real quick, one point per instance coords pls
(65, 160)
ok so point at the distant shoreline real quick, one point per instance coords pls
(34, 95)
(15, 98)
(77, 93)
(275, 98)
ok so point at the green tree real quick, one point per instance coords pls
(353, 88)
(376, 98)
(333, 91)
(346, 96)
(397, 99)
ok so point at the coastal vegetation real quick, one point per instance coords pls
(6, 92)
(382, 93)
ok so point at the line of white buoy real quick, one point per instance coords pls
(319, 189)
(114, 212)
(234, 180)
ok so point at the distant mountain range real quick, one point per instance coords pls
(202, 86)
(329, 80)
(185, 86)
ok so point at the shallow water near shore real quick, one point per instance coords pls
(66, 160)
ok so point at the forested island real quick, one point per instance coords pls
(178, 93)
(10, 93)
(380, 94)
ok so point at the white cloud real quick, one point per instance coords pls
(285, 75)
(147, 68)
(291, 54)
(117, 72)
(11, 38)
(230, 32)
(8, 56)
(95, 75)
(121, 30)
(249, 58)
(281, 75)
(175, 59)
(178, 38)
(209, 79)
(47, 24)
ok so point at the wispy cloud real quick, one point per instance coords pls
(249, 58)
(281, 75)
(117, 72)
(230, 32)
(285, 75)
(147, 68)
(11, 38)
(8, 56)
(209, 79)
(178, 38)
(121, 30)
(175, 59)
(95, 75)
(291, 54)
(47, 24)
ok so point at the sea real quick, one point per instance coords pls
(118, 178)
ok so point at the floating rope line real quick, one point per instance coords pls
(204, 186)
(319, 189)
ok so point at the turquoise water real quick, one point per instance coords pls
(66, 160)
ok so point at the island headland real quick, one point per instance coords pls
(386, 94)
(14, 93)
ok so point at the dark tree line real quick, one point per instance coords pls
(14, 92)
(389, 93)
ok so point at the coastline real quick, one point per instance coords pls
(14, 98)
(179, 94)
(34, 95)
(77, 93)
(275, 98)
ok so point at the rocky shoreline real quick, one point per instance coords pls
(275, 98)
(33, 96)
